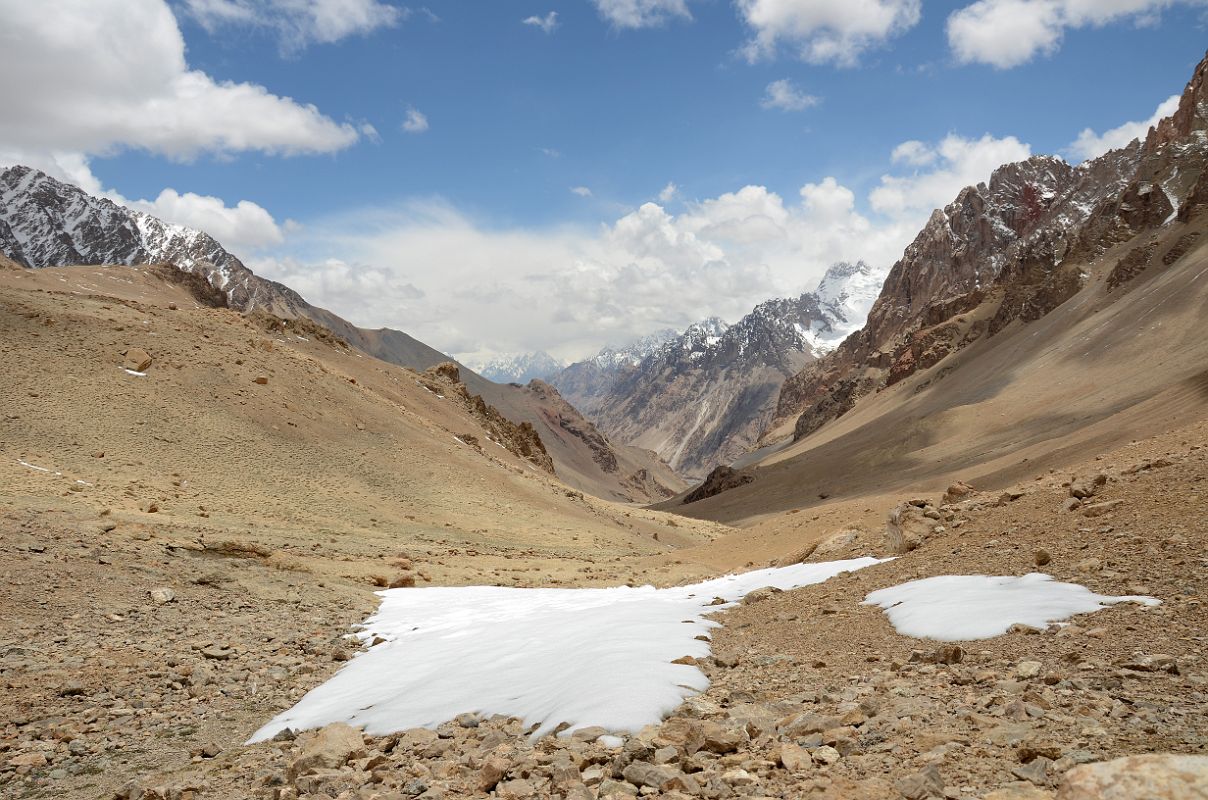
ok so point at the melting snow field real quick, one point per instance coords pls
(954, 608)
(581, 656)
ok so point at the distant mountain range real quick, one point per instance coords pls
(702, 397)
(519, 368)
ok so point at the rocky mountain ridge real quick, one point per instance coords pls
(702, 398)
(1009, 250)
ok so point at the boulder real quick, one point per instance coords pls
(1153, 777)
(330, 747)
(957, 492)
(137, 359)
(1087, 485)
(908, 527)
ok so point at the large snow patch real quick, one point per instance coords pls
(580, 656)
(953, 608)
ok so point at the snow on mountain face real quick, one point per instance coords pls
(520, 368)
(47, 223)
(632, 354)
(701, 397)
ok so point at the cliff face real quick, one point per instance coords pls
(1009, 251)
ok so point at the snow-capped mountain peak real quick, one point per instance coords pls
(45, 222)
(520, 368)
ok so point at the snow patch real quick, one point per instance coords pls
(954, 608)
(581, 656)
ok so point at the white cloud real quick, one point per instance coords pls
(957, 162)
(641, 13)
(98, 76)
(571, 289)
(547, 23)
(668, 192)
(582, 191)
(243, 228)
(914, 153)
(1007, 33)
(782, 94)
(416, 121)
(824, 31)
(1090, 144)
(299, 22)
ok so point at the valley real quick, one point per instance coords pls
(931, 531)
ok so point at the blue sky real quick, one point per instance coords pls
(468, 231)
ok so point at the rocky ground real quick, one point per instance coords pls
(133, 665)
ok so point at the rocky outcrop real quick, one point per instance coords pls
(721, 479)
(563, 415)
(520, 439)
(1010, 251)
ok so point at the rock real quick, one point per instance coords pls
(1087, 486)
(957, 492)
(949, 654)
(760, 594)
(330, 747)
(492, 771)
(162, 595)
(1035, 771)
(1071, 504)
(1042, 557)
(836, 542)
(260, 379)
(721, 479)
(217, 653)
(137, 359)
(738, 777)
(1153, 777)
(402, 582)
(721, 740)
(1154, 663)
(795, 758)
(826, 755)
(686, 734)
(1099, 509)
(923, 784)
(1018, 791)
(1028, 669)
(663, 777)
(907, 528)
(33, 760)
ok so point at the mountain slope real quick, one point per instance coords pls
(703, 398)
(1011, 249)
(1049, 314)
(45, 222)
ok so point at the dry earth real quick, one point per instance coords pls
(139, 648)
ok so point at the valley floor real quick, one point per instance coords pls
(108, 688)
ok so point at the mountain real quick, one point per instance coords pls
(1045, 315)
(45, 222)
(1011, 249)
(520, 368)
(588, 382)
(702, 398)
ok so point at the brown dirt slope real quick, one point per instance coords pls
(1115, 362)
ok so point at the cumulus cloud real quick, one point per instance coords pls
(97, 76)
(1090, 144)
(415, 122)
(242, 228)
(782, 94)
(582, 191)
(956, 162)
(1007, 33)
(299, 23)
(641, 13)
(547, 23)
(668, 192)
(914, 153)
(571, 289)
(824, 31)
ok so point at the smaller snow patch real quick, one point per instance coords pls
(955, 608)
(135, 373)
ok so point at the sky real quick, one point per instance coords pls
(505, 176)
